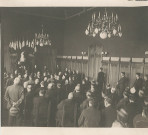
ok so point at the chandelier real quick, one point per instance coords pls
(40, 40)
(105, 25)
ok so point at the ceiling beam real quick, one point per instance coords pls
(66, 17)
(39, 15)
(81, 12)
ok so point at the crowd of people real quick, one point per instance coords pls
(69, 99)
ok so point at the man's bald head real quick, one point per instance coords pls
(70, 95)
(77, 88)
(17, 80)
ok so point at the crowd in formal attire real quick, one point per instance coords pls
(69, 99)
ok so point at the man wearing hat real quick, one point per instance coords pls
(121, 85)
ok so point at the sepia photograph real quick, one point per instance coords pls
(74, 66)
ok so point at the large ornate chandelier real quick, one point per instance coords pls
(106, 26)
(40, 40)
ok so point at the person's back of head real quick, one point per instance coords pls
(70, 95)
(113, 90)
(31, 77)
(132, 98)
(122, 74)
(77, 88)
(37, 81)
(42, 83)
(41, 93)
(58, 85)
(51, 85)
(11, 76)
(29, 88)
(107, 102)
(17, 81)
(146, 101)
(138, 75)
(88, 94)
(91, 103)
(101, 69)
(19, 75)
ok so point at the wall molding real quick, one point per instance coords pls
(114, 59)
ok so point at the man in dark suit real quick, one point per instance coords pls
(14, 96)
(101, 80)
(138, 83)
(78, 95)
(51, 96)
(108, 114)
(121, 85)
(78, 77)
(60, 93)
(65, 114)
(90, 117)
(28, 105)
(36, 87)
(40, 110)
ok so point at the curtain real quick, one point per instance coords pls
(146, 68)
(85, 67)
(106, 70)
(94, 60)
(114, 73)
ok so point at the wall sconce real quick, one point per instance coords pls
(104, 54)
(83, 53)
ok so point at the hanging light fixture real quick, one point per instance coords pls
(40, 40)
(106, 26)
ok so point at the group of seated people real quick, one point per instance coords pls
(68, 99)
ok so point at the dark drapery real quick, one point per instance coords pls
(46, 56)
(94, 60)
